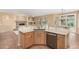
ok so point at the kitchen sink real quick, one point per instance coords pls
(39, 29)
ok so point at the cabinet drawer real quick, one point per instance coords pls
(61, 36)
(29, 35)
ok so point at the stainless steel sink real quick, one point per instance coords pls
(39, 29)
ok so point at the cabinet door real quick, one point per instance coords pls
(60, 41)
(20, 18)
(36, 38)
(40, 38)
(27, 39)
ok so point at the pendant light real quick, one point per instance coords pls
(62, 14)
(62, 11)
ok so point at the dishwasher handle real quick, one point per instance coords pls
(53, 34)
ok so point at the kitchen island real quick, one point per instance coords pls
(41, 37)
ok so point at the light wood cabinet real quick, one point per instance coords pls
(21, 18)
(40, 37)
(27, 39)
(31, 21)
(50, 19)
(30, 38)
(60, 41)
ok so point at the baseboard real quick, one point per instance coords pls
(36, 45)
(39, 44)
(29, 47)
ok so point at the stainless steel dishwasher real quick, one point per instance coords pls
(51, 40)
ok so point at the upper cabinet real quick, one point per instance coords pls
(30, 21)
(50, 19)
(53, 20)
(21, 18)
(41, 22)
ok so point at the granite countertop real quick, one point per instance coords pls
(24, 29)
(61, 31)
(58, 30)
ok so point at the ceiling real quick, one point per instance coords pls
(36, 12)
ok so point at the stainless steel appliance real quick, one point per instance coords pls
(51, 40)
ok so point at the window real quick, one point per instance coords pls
(70, 21)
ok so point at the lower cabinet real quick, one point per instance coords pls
(30, 38)
(40, 37)
(61, 41)
(52, 40)
(27, 39)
